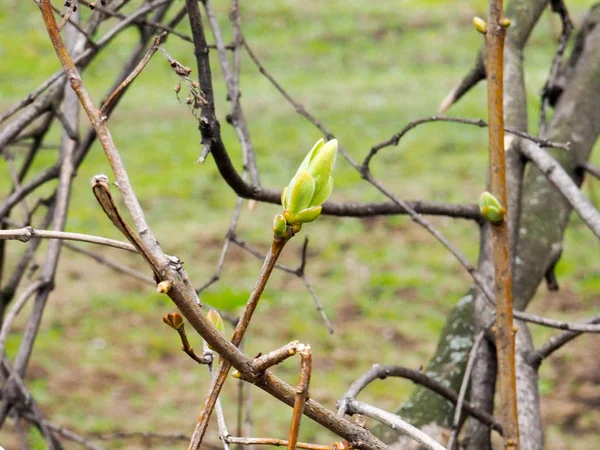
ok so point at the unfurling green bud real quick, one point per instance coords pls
(505, 22)
(214, 317)
(480, 24)
(491, 209)
(279, 226)
(311, 186)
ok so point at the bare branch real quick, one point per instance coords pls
(138, 69)
(565, 185)
(27, 233)
(395, 139)
(382, 372)
(394, 422)
(555, 343)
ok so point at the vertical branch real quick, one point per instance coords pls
(224, 367)
(505, 338)
(301, 395)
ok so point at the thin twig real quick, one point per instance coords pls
(553, 171)
(395, 423)
(223, 433)
(158, 40)
(15, 309)
(274, 251)
(26, 233)
(299, 272)
(282, 443)
(462, 393)
(117, 267)
(555, 343)
(301, 395)
(395, 139)
(382, 372)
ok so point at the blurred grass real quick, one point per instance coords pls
(104, 360)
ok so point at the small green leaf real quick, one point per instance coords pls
(309, 215)
(300, 192)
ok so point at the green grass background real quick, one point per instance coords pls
(104, 360)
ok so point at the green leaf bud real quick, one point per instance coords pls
(279, 226)
(491, 209)
(300, 192)
(214, 317)
(320, 167)
(309, 215)
(480, 24)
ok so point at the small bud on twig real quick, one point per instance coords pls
(491, 209)
(505, 22)
(480, 24)
(164, 287)
(311, 186)
(174, 320)
(215, 318)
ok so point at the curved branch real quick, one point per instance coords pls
(382, 372)
(395, 422)
(564, 183)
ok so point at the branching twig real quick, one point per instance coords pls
(395, 423)
(274, 251)
(382, 372)
(395, 139)
(553, 171)
(555, 343)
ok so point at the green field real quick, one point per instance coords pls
(104, 361)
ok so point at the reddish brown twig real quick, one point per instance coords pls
(505, 332)
(301, 395)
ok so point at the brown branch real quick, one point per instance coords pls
(555, 343)
(395, 139)
(274, 251)
(554, 172)
(158, 40)
(471, 79)
(505, 332)
(301, 395)
(299, 272)
(284, 443)
(418, 377)
(236, 117)
(27, 233)
(395, 423)
(548, 96)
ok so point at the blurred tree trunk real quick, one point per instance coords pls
(544, 217)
